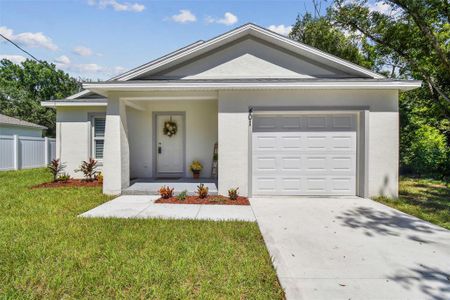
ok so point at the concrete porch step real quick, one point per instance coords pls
(141, 187)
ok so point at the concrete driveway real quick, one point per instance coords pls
(353, 248)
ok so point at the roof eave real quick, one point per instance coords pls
(105, 88)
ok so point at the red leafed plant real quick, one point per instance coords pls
(202, 191)
(166, 192)
(89, 169)
(55, 167)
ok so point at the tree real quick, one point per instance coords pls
(24, 86)
(412, 38)
(320, 33)
(415, 34)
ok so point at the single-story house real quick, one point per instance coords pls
(13, 126)
(289, 119)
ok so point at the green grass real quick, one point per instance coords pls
(47, 252)
(424, 198)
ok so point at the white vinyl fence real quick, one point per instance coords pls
(22, 152)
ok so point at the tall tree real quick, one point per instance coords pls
(24, 86)
(415, 33)
(413, 39)
(319, 32)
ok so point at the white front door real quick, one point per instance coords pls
(169, 149)
(310, 154)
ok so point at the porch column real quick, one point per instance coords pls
(116, 156)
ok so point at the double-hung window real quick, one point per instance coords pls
(98, 136)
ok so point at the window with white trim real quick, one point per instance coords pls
(98, 136)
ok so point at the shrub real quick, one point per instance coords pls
(182, 196)
(100, 177)
(166, 192)
(233, 193)
(429, 153)
(55, 167)
(64, 177)
(202, 191)
(89, 169)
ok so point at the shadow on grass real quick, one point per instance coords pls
(431, 281)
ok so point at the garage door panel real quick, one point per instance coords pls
(291, 184)
(266, 185)
(266, 163)
(343, 142)
(343, 122)
(343, 164)
(317, 159)
(264, 142)
(293, 142)
(290, 163)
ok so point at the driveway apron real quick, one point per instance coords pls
(353, 248)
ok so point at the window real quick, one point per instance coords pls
(98, 136)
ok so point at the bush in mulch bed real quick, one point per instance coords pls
(68, 183)
(207, 200)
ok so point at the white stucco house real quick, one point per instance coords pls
(14, 126)
(288, 119)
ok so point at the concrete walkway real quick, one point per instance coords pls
(144, 207)
(353, 248)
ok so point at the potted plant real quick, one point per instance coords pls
(196, 168)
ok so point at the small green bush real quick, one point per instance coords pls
(64, 177)
(429, 153)
(182, 196)
(233, 193)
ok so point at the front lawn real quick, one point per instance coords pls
(47, 252)
(424, 198)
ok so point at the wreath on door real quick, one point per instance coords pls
(170, 128)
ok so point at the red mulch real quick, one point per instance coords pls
(68, 183)
(222, 200)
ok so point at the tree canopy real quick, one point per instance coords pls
(24, 86)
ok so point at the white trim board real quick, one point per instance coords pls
(103, 88)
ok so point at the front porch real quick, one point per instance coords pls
(141, 154)
(150, 186)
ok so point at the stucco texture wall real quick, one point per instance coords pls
(383, 131)
(73, 136)
(201, 134)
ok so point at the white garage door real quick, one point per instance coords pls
(312, 154)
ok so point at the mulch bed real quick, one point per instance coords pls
(221, 200)
(68, 183)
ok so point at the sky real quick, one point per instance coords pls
(98, 39)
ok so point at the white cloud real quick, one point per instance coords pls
(29, 39)
(89, 70)
(117, 6)
(82, 51)
(228, 19)
(63, 59)
(280, 29)
(17, 59)
(185, 16)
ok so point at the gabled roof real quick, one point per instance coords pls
(249, 29)
(135, 77)
(6, 120)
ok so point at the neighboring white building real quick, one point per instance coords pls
(13, 126)
(289, 119)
